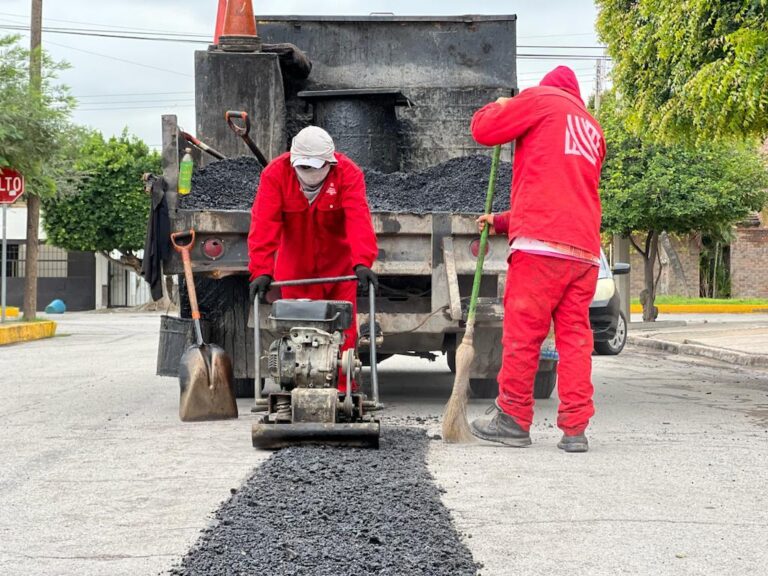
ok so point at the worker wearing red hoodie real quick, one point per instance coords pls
(553, 227)
(310, 219)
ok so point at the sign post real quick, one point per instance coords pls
(11, 189)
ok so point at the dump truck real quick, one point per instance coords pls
(397, 95)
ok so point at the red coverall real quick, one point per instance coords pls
(291, 239)
(559, 149)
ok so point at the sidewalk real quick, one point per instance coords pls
(742, 340)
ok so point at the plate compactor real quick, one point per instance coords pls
(305, 360)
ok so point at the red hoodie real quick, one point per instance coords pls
(559, 151)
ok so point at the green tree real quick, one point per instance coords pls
(690, 70)
(108, 209)
(34, 127)
(649, 188)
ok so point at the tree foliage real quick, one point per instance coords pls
(650, 188)
(695, 69)
(108, 210)
(34, 127)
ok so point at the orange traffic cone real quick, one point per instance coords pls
(239, 31)
(220, 14)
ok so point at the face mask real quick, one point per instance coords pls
(312, 177)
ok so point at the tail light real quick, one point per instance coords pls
(474, 247)
(213, 248)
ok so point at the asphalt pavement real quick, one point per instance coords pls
(98, 475)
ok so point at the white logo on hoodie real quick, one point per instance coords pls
(582, 138)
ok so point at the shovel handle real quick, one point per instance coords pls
(184, 248)
(243, 131)
(240, 130)
(202, 145)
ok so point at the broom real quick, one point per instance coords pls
(455, 425)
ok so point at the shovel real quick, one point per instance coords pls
(205, 371)
(244, 133)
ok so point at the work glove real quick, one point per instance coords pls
(259, 286)
(366, 276)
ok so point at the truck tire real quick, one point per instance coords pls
(365, 358)
(544, 384)
(450, 356)
(484, 387)
(244, 387)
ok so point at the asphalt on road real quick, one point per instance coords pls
(98, 476)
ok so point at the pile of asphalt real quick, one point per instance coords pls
(324, 511)
(223, 185)
(458, 186)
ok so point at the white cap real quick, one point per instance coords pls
(313, 147)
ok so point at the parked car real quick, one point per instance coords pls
(609, 324)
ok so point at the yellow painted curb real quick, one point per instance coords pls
(26, 331)
(704, 308)
(11, 312)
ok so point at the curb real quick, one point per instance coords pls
(11, 312)
(688, 348)
(25, 332)
(704, 308)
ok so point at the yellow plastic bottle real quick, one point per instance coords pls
(185, 173)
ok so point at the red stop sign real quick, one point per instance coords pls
(11, 185)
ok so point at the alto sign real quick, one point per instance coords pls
(11, 185)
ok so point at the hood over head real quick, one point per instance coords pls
(564, 78)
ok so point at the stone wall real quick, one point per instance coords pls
(683, 282)
(749, 263)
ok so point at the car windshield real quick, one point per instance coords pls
(605, 269)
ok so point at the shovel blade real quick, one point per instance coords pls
(207, 384)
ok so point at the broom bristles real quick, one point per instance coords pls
(455, 425)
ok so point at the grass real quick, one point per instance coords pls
(705, 301)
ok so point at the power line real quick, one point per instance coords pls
(106, 95)
(110, 35)
(120, 59)
(135, 108)
(25, 18)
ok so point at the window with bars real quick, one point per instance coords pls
(52, 261)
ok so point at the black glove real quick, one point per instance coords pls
(259, 285)
(366, 276)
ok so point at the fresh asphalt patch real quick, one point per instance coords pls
(322, 511)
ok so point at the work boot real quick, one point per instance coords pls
(502, 428)
(573, 443)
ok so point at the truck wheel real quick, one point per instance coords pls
(450, 356)
(484, 387)
(365, 358)
(544, 384)
(244, 387)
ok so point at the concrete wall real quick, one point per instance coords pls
(749, 263)
(76, 289)
(670, 283)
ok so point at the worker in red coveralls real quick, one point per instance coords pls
(553, 227)
(311, 219)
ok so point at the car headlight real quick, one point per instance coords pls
(606, 288)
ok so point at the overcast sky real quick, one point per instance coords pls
(131, 83)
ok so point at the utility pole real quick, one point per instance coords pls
(599, 68)
(33, 201)
(621, 248)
